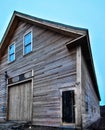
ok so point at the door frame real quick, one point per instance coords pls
(68, 88)
(7, 102)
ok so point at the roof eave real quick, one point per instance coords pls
(58, 27)
(45, 23)
(84, 42)
(10, 29)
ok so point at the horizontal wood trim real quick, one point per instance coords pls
(19, 78)
(10, 85)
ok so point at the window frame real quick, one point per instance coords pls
(13, 43)
(29, 31)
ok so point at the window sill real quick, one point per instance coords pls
(68, 125)
(24, 55)
(10, 62)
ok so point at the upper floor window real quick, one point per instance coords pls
(11, 53)
(27, 43)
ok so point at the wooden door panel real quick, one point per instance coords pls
(20, 102)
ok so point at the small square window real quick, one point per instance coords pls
(28, 43)
(11, 53)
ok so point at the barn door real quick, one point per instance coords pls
(68, 102)
(20, 102)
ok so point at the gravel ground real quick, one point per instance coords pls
(14, 125)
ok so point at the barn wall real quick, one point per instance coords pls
(54, 68)
(90, 102)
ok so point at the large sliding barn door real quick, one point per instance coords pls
(20, 102)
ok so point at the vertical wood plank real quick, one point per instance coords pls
(78, 89)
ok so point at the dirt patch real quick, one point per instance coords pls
(98, 125)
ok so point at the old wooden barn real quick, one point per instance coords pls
(47, 74)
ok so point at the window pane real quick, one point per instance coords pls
(11, 53)
(27, 38)
(11, 49)
(12, 57)
(27, 49)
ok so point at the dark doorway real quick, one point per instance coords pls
(68, 102)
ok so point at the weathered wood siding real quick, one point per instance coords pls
(3, 90)
(54, 66)
(78, 88)
(91, 111)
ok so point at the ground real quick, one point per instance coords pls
(16, 125)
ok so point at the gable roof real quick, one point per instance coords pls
(80, 38)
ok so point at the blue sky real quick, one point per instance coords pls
(88, 14)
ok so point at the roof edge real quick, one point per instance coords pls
(7, 29)
(49, 21)
(54, 25)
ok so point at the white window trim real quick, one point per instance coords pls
(14, 52)
(30, 30)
